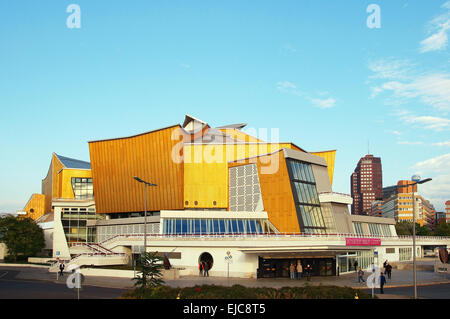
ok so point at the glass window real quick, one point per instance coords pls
(178, 226)
(358, 228)
(216, 228)
(82, 188)
(196, 225)
(203, 226)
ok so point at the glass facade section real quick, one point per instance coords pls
(375, 229)
(309, 211)
(74, 222)
(346, 262)
(386, 230)
(405, 254)
(358, 228)
(82, 188)
(191, 226)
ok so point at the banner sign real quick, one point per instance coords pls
(362, 242)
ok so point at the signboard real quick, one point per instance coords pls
(228, 257)
(362, 242)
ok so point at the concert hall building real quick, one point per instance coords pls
(207, 194)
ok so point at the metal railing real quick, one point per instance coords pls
(340, 236)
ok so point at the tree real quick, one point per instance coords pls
(22, 236)
(443, 229)
(151, 271)
(423, 230)
(404, 228)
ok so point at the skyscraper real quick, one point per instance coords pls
(366, 184)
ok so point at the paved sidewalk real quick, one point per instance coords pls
(400, 278)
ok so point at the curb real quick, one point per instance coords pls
(23, 265)
(406, 285)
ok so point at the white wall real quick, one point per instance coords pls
(243, 265)
(59, 238)
(3, 251)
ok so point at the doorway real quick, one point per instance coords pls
(207, 258)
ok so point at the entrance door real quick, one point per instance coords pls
(279, 268)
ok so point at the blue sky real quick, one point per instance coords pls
(313, 69)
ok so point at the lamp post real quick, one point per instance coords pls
(417, 180)
(145, 209)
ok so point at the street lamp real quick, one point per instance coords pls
(145, 212)
(417, 180)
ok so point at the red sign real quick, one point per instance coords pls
(362, 242)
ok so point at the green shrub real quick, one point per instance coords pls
(241, 292)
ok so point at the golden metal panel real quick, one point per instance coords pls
(115, 162)
(330, 157)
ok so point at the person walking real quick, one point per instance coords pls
(360, 275)
(61, 269)
(389, 270)
(200, 269)
(385, 264)
(382, 282)
(292, 270)
(299, 269)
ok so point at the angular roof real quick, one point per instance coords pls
(73, 163)
(45, 218)
(238, 126)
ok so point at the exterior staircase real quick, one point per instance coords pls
(94, 255)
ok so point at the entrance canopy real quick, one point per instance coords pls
(304, 252)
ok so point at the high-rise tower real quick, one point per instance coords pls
(366, 184)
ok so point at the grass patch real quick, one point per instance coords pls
(241, 292)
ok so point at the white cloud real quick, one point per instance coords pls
(404, 83)
(390, 68)
(444, 144)
(186, 66)
(437, 190)
(428, 122)
(437, 164)
(287, 87)
(435, 42)
(409, 143)
(324, 103)
(438, 27)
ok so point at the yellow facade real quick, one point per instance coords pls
(241, 136)
(56, 185)
(206, 170)
(330, 157)
(65, 189)
(35, 207)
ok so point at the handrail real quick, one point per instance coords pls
(278, 235)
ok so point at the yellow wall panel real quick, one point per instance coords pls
(51, 184)
(66, 175)
(206, 170)
(240, 136)
(330, 157)
(35, 207)
(115, 162)
(58, 182)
